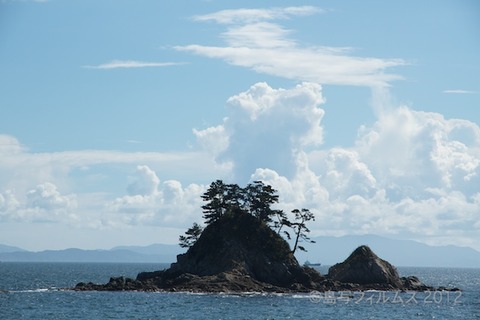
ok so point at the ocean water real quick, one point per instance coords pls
(33, 292)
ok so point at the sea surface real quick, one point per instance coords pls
(35, 291)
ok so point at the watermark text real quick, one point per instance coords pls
(382, 297)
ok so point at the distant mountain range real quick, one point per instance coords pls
(156, 253)
(326, 250)
(330, 250)
(7, 249)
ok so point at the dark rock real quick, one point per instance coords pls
(239, 253)
(235, 253)
(414, 284)
(149, 275)
(365, 268)
(242, 243)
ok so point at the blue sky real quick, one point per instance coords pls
(115, 116)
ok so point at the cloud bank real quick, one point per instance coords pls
(44, 203)
(411, 173)
(74, 187)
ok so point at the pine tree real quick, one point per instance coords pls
(216, 206)
(258, 200)
(191, 236)
(300, 228)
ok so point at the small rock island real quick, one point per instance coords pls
(239, 251)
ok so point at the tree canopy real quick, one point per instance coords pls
(256, 199)
(191, 236)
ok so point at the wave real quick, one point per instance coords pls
(38, 290)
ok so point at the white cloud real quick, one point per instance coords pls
(254, 41)
(42, 203)
(459, 91)
(345, 175)
(46, 197)
(8, 204)
(150, 201)
(213, 139)
(127, 64)
(10, 145)
(255, 15)
(20, 168)
(145, 183)
(90, 177)
(411, 173)
(265, 127)
(409, 151)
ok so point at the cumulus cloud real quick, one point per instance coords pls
(345, 175)
(47, 197)
(150, 201)
(92, 176)
(213, 139)
(144, 183)
(411, 173)
(266, 127)
(409, 151)
(254, 41)
(42, 203)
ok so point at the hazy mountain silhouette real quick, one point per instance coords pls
(152, 254)
(330, 250)
(326, 250)
(5, 249)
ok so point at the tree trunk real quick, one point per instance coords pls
(296, 239)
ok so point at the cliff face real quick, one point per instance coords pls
(240, 243)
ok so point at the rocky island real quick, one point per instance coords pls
(240, 252)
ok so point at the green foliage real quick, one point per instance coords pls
(281, 221)
(216, 202)
(259, 198)
(256, 199)
(191, 236)
(229, 201)
(300, 228)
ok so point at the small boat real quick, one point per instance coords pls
(310, 264)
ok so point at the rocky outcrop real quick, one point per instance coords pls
(243, 245)
(235, 253)
(239, 253)
(365, 268)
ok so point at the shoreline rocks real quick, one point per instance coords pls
(238, 253)
(361, 271)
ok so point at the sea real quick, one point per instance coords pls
(40, 291)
